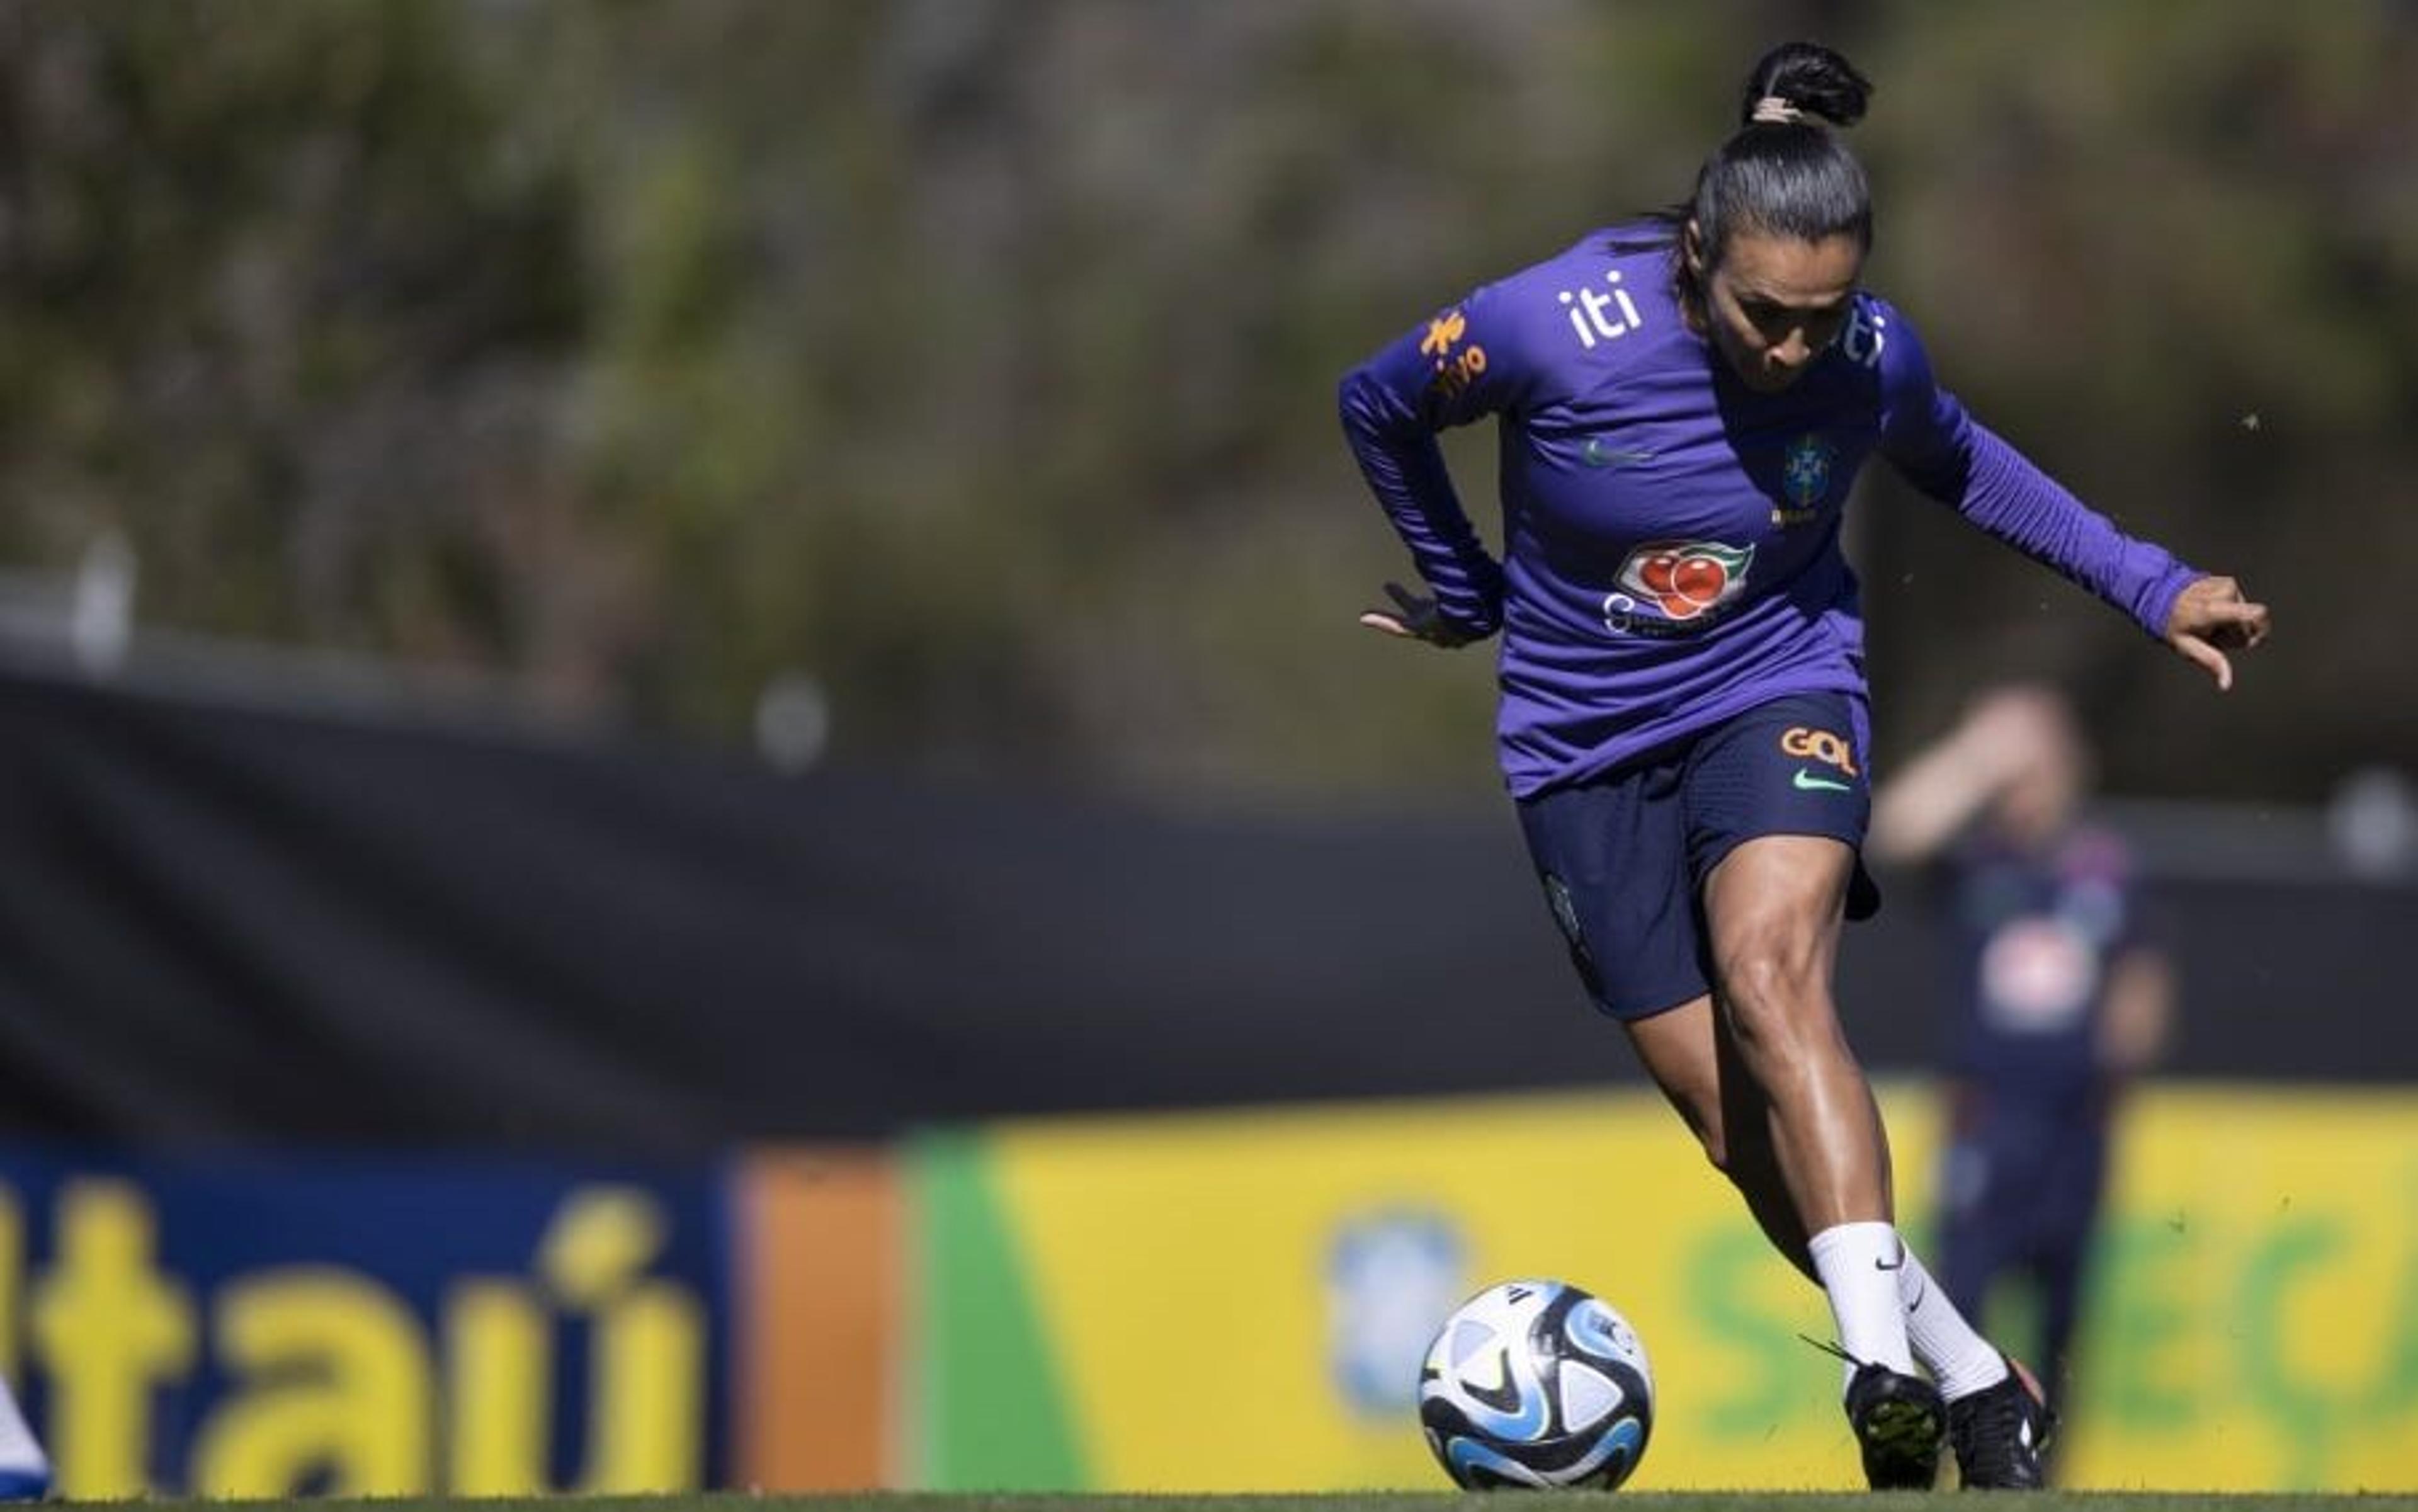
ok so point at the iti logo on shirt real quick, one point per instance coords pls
(1687, 579)
(1596, 315)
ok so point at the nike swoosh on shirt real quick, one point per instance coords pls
(1599, 455)
(1807, 782)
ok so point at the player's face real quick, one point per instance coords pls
(1774, 304)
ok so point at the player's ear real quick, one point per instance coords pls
(1691, 249)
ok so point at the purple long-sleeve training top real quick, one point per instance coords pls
(1670, 537)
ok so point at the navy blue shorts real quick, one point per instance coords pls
(1623, 856)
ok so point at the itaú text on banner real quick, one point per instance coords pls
(275, 1323)
(267, 1324)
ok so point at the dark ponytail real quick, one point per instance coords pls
(1809, 78)
(1784, 171)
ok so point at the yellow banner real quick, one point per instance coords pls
(1238, 1302)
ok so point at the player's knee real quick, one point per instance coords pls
(1772, 979)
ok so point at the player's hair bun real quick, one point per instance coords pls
(1810, 79)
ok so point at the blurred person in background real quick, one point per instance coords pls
(1683, 404)
(2061, 997)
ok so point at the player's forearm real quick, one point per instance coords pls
(1405, 470)
(2004, 493)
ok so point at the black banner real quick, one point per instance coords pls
(223, 921)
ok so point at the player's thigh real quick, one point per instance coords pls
(1792, 769)
(1795, 883)
(1612, 858)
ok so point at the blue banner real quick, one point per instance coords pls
(277, 1324)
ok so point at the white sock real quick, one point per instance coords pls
(19, 1452)
(1960, 1360)
(1859, 1265)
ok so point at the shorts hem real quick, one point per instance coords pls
(1730, 843)
(1659, 1006)
(1863, 895)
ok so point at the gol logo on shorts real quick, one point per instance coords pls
(1819, 745)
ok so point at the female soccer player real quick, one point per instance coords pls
(1683, 404)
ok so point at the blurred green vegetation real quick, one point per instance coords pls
(975, 357)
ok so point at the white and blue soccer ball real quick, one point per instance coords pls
(1536, 1383)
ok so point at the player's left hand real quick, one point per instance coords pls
(1416, 616)
(2212, 617)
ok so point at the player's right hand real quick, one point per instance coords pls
(1416, 616)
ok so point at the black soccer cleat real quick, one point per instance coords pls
(2000, 1434)
(1899, 1422)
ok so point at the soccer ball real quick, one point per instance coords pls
(1536, 1383)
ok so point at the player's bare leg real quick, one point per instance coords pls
(1774, 907)
(1693, 1059)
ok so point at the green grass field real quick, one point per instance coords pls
(1356, 1501)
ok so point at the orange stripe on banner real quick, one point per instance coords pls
(817, 1371)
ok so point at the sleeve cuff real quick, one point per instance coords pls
(2159, 607)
